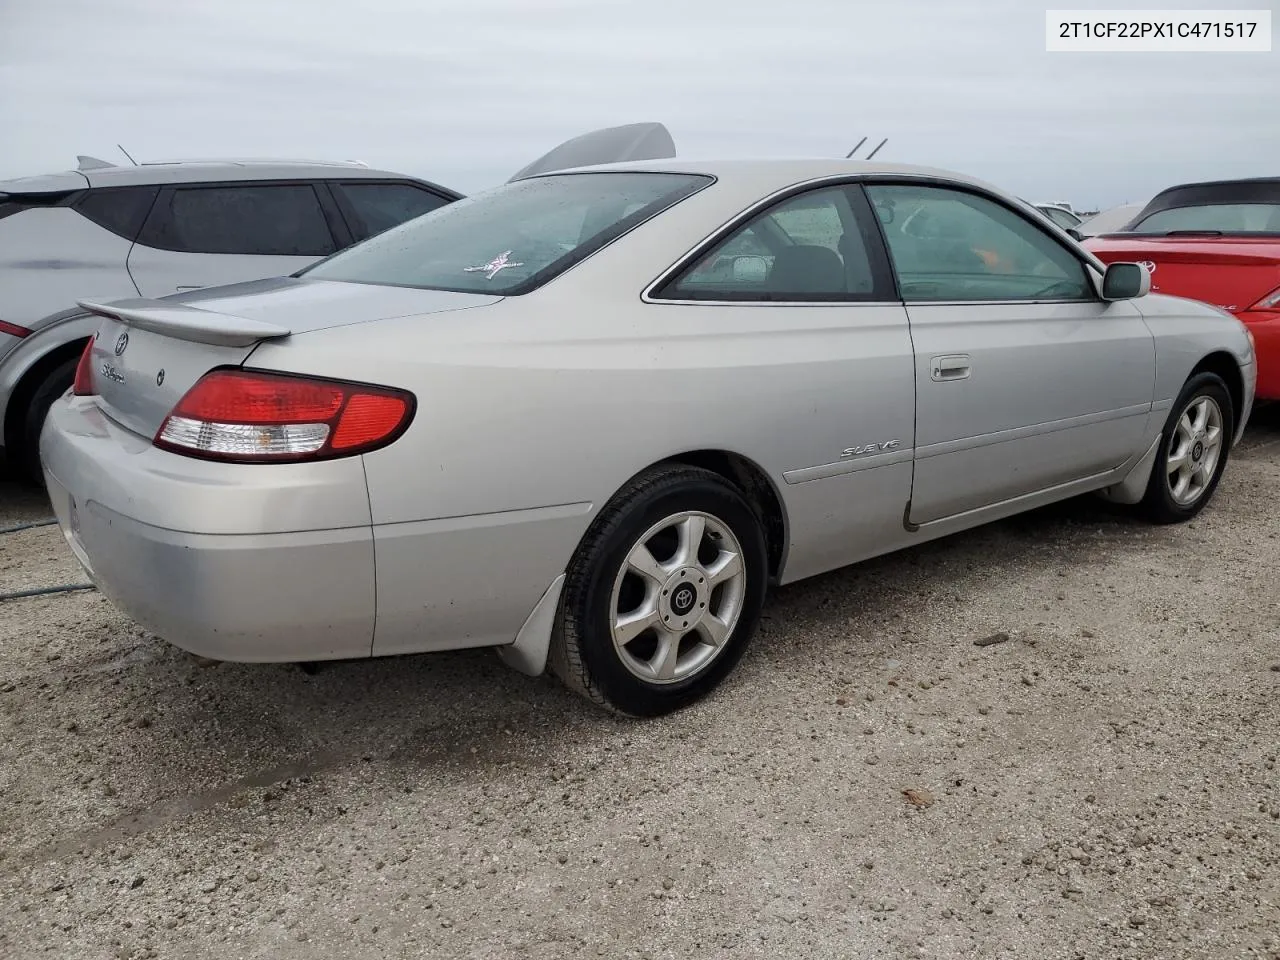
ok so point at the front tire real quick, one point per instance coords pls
(1193, 451)
(663, 595)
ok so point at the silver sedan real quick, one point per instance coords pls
(586, 417)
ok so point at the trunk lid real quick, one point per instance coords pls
(148, 353)
(1228, 272)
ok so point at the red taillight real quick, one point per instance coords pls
(243, 415)
(84, 372)
(13, 330)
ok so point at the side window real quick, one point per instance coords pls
(809, 247)
(251, 218)
(118, 209)
(952, 245)
(381, 206)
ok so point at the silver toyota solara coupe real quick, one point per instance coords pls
(586, 417)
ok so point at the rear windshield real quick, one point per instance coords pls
(511, 239)
(1227, 218)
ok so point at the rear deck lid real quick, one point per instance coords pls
(149, 353)
(1229, 272)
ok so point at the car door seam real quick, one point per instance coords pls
(1031, 430)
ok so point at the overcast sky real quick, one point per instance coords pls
(465, 92)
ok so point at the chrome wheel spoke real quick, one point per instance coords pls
(667, 657)
(1198, 413)
(691, 531)
(712, 629)
(1186, 428)
(641, 560)
(725, 567)
(1181, 480)
(631, 625)
(1178, 461)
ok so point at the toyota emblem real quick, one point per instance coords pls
(1149, 265)
(122, 341)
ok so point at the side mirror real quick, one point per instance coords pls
(1075, 234)
(1125, 281)
(750, 269)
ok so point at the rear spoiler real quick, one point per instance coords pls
(631, 141)
(187, 323)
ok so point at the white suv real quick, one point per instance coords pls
(108, 232)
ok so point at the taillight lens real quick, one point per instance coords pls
(83, 386)
(248, 416)
(1270, 302)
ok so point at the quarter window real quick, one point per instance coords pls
(949, 245)
(809, 247)
(265, 219)
(381, 206)
(119, 209)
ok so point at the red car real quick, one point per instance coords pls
(1218, 243)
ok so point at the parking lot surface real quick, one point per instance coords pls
(1097, 781)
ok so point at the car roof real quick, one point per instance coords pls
(1247, 190)
(782, 171)
(201, 171)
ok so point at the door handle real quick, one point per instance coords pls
(195, 286)
(953, 367)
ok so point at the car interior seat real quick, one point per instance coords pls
(806, 268)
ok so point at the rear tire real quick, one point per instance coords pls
(57, 382)
(663, 594)
(1193, 451)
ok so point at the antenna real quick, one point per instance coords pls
(855, 149)
(126, 153)
(877, 149)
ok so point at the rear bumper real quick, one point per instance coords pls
(1265, 327)
(228, 564)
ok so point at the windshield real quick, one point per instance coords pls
(511, 239)
(1213, 218)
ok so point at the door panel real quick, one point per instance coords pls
(1025, 379)
(1052, 393)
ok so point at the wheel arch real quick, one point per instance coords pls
(29, 371)
(759, 489)
(1224, 365)
(528, 653)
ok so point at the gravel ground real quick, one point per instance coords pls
(871, 783)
